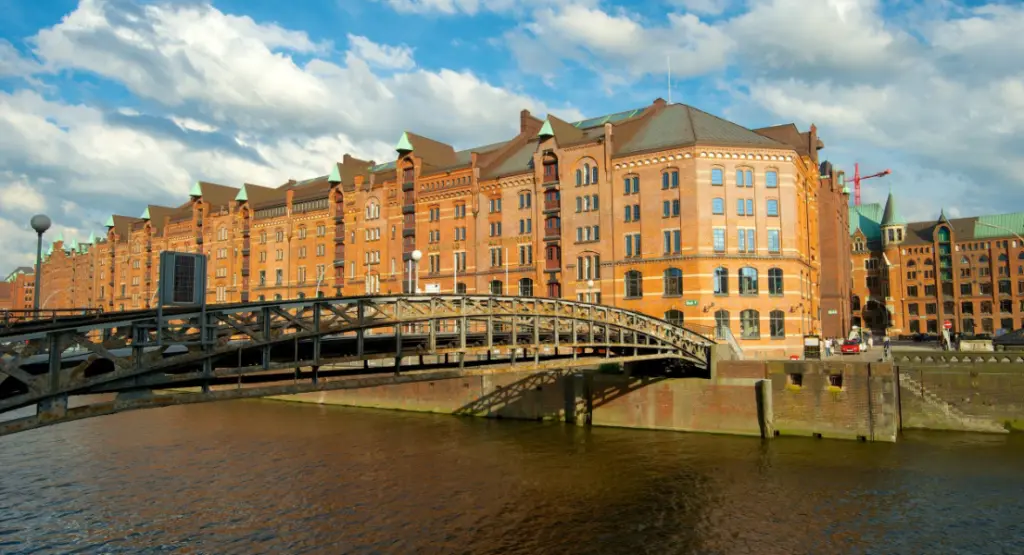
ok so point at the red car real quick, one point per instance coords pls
(850, 347)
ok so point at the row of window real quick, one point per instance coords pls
(321, 271)
(750, 324)
(745, 178)
(673, 282)
(745, 240)
(321, 250)
(966, 307)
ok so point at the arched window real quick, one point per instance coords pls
(579, 177)
(748, 281)
(634, 284)
(222, 234)
(750, 324)
(372, 209)
(912, 263)
(1020, 256)
(717, 206)
(1003, 258)
(982, 260)
(302, 232)
(593, 174)
(773, 207)
(261, 298)
(526, 287)
(721, 324)
(771, 179)
(301, 295)
(277, 297)
(855, 303)
(674, 317)
(777, 320)
(775, 281)
(320, 294)
(460, 288)
(497, 287)
(943, 235)
(721, 281)
(673, 278)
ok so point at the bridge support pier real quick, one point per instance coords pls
(578, 402)
(52, 408)
(765, 412)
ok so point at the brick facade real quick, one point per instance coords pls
(543, 213)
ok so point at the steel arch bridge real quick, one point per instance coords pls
(189, 355)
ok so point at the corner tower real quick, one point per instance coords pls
(894, 228)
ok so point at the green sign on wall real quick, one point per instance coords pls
(691, 302)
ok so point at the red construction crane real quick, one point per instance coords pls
(857, 179)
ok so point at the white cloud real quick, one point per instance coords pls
(12, 63)
(703, 7)
(18, 198)
(617, 46)
(224, 99)
(381, 55)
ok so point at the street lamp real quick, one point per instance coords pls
(40, 223)
(414, 260)
(590, 291)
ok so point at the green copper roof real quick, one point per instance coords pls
(110, 222)
(846, 190)
(335, 176)
(999, 225)
(74, 245)
(403, 144)
(92, 238)
(196, 191)
(546, 130)
(890, 216)
(866, 218)
(145, 214)
(60, 237)
(242, 195)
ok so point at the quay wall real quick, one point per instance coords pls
(939, 394)
(754, 398)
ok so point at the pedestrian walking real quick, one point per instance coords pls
(887, 347)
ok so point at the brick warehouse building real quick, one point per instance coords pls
(664, 209)
(912, 277)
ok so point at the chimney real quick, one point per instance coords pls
(659, 102)
(524, 121)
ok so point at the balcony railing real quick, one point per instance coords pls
(552, 205)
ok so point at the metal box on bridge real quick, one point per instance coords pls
(182, 279)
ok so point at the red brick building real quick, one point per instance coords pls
(17, 290)
(663, 209)
(915, 277)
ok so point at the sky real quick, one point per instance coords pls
(109, 105)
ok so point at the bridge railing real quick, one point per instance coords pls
(10, 317)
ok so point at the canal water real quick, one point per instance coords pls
(269, 477)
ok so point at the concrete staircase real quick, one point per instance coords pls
(726, 333)
(956, 417)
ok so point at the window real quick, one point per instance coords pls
(588, 267)
(494, 205)
(495, 257)
(460, 288)
(302, 232)
(670, 179)
(719, 239)
(674, 317)
(717, 206)
(279, 236)
(670, 208)
(716, 176)
(278, 277)
(775, 281)
(321, 230)
(525, 226)
(525, 200)
(525, 255)
(460, 210)
(744, 178)
(672, 241)
(460, 261)
(526, 287)
(632, 245)
(673, 282)
(721, 281)
(632, 213)
(321, 250)
(777, 324)
(721, 324)
(771, 179)
(222, 234)
(774, 245)
(750, 324)
(748, 281)
(745, 240)
(497, 287)
(435, 262)
(772, 208)
(630, 185)
(593, 174)
(372, 210)
(495, 229)
(634, 284)
(435, 213)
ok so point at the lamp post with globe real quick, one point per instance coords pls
(40, 223)
(414, 260)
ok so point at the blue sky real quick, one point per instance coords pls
(106, 105)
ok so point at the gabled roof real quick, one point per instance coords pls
(434, 153)
(564, 132)
(681, 125)
(258, 196)
(19, 270)
(122, 225)
(216, 195)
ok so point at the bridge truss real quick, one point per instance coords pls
(115, 362)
